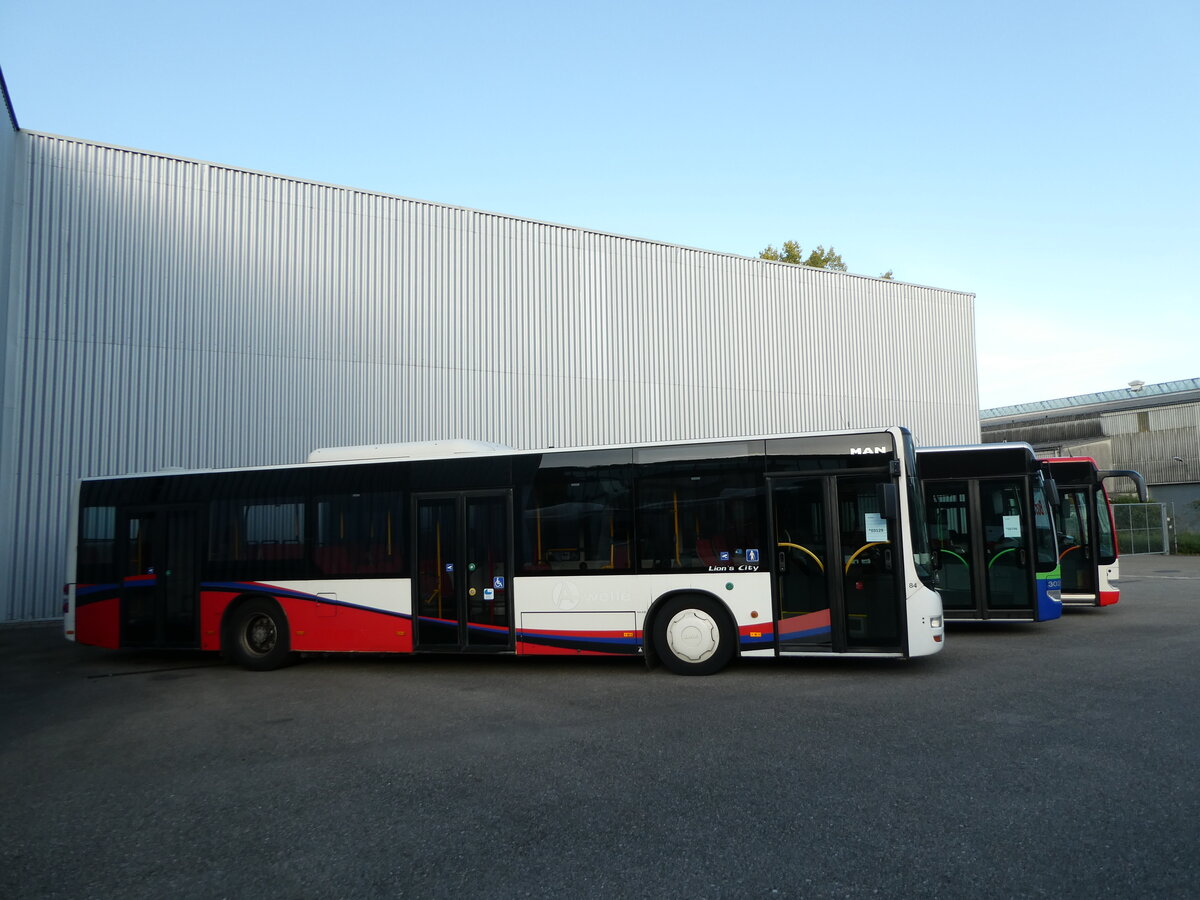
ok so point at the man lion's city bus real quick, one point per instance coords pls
(992, 532)
(1087, 534)
(690, 554)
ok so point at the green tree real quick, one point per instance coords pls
(792, 253)
(818, 259)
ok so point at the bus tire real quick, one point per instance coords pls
(258, 636)
(693, 636)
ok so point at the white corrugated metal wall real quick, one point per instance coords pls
(177, 313)
(10, 355)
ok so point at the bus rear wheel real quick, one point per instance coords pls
(693, 636)
(258, 636)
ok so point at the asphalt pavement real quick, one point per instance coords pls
(1057, 759)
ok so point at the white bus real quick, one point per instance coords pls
(688, 554)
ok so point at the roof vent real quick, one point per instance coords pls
(1135, 386)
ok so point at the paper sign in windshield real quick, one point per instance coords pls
(876, 527)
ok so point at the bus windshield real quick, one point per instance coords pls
(921, 553)
(1043, 523)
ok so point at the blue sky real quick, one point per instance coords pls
(1042, 155)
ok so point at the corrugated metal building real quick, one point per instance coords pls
(1151, 428)
(164, 312)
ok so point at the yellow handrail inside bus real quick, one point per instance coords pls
(678, 536)
(1068, 550)
(860, 550)
(805, 550)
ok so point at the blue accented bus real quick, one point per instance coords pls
(689, 554)
(1087, 534)
(992, 532)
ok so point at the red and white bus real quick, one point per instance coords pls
(690, 554)
(1087, 533)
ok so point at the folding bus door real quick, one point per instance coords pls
(462, 585)
(1009, 571)
(1076, 546)
(805, 568)
(160, 582)
(953, 526)
(836, 565)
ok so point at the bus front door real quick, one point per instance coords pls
(836, 565)
(1076, 551)
(805, 570)
(1008, 575)
(982, 534)
(462, 584)
(159, 587)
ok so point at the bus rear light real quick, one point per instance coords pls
(937, 638)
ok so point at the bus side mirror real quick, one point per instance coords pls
(1051, 488)
(889, 500)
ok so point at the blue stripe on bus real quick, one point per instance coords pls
(94, 589)
(810, 632)
(543, 637)
(757, 642)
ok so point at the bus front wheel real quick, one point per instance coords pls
(258, 636)
(693, 636)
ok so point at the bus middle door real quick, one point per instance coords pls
(462, 584)
(160, 581)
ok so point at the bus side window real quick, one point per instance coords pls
(360, 534)
(699, 516)
(577, 519)
(97, 538)
(268, 531)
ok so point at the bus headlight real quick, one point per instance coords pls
(935, 621)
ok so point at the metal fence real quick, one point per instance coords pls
(1143, 527)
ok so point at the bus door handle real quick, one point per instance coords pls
(782, 560)
(1021, 557)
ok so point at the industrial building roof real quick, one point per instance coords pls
(1134, 396)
